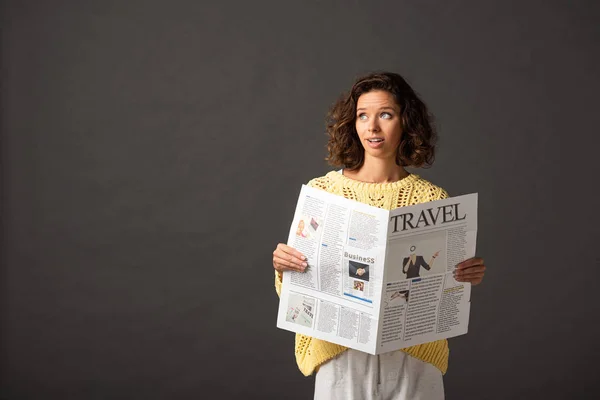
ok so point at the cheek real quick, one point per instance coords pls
(359, 130)
(396, 133)
(358, 127)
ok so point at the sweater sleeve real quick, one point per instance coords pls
(442, 194)
(278, 282)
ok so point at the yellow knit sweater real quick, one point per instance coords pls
(311, 352)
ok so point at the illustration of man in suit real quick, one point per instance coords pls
(412, 264)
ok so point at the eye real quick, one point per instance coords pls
(362, 116)
(385, 115)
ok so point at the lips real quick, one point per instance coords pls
(375, 142)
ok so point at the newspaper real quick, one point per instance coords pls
(378, 280)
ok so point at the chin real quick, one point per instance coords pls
(381, 155)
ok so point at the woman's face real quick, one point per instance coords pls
(378, 124)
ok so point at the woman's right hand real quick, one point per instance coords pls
(286, 258)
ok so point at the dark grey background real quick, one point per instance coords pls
(152, 154)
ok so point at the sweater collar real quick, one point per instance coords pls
(343, 180)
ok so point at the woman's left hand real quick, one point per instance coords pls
(471, 270)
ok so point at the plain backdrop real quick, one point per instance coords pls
(153, 152)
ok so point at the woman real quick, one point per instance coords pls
(411, 265)
(375, 131)
(300, 231)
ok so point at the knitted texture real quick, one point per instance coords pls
(311, 352)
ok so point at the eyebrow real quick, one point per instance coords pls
(382, 108)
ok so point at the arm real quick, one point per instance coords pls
(433, 257)
(423, 264)
(404, 265)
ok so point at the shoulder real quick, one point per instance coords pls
(325, 182)
(424, 190)
(414, 188)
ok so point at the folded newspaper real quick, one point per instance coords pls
(378, 280)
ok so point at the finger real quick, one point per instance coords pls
(291, 258)
(470, 263)
(294, 262)
(290, 250)
(284, 264)
(475, 281)
(291, 255)
(469, 277)
(470, 270)
(473, 270)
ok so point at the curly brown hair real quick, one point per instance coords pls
(417, 146)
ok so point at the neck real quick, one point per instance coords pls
(378, 171)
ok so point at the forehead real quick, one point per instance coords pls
(376, 99)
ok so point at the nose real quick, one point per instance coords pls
(373, 125)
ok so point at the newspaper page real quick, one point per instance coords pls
(337, 297)
(372, 281)
(422, 301)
